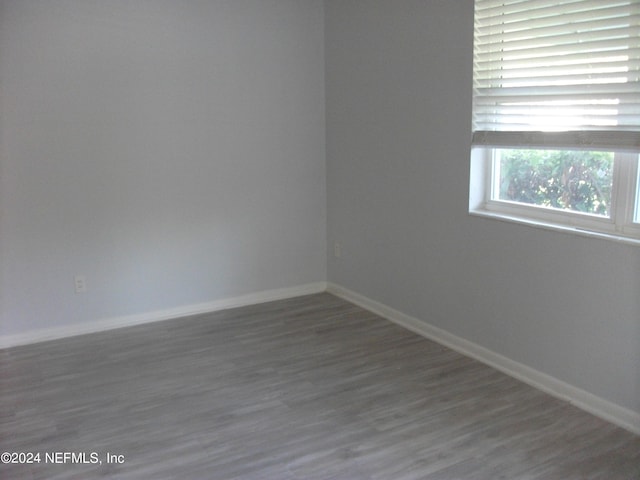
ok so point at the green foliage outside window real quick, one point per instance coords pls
(569, 180)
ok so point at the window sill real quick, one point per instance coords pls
(555, 226)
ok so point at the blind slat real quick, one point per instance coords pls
(582, 21)
(592, 40)
(544, 12)
(565, 61)
(612, 46)
(569, 118)
(541, 92)
(528, 71)
(607, 78)
(488, 7)
(539, 110)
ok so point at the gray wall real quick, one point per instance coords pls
(173, 152)
(398, 93)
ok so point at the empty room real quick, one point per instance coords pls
(307, 239)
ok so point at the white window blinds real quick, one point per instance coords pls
(554, 73)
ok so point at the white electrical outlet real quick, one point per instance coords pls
(337, 250)
(81, 283)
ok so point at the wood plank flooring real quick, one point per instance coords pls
(306, 388)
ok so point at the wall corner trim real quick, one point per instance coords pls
(609, 411)
(42, 335)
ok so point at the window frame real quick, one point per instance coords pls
(620, 226)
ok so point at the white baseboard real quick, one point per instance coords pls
(621, 416)
(41, 335)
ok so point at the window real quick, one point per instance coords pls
(556, 114)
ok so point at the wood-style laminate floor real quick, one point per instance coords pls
(307, 388)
